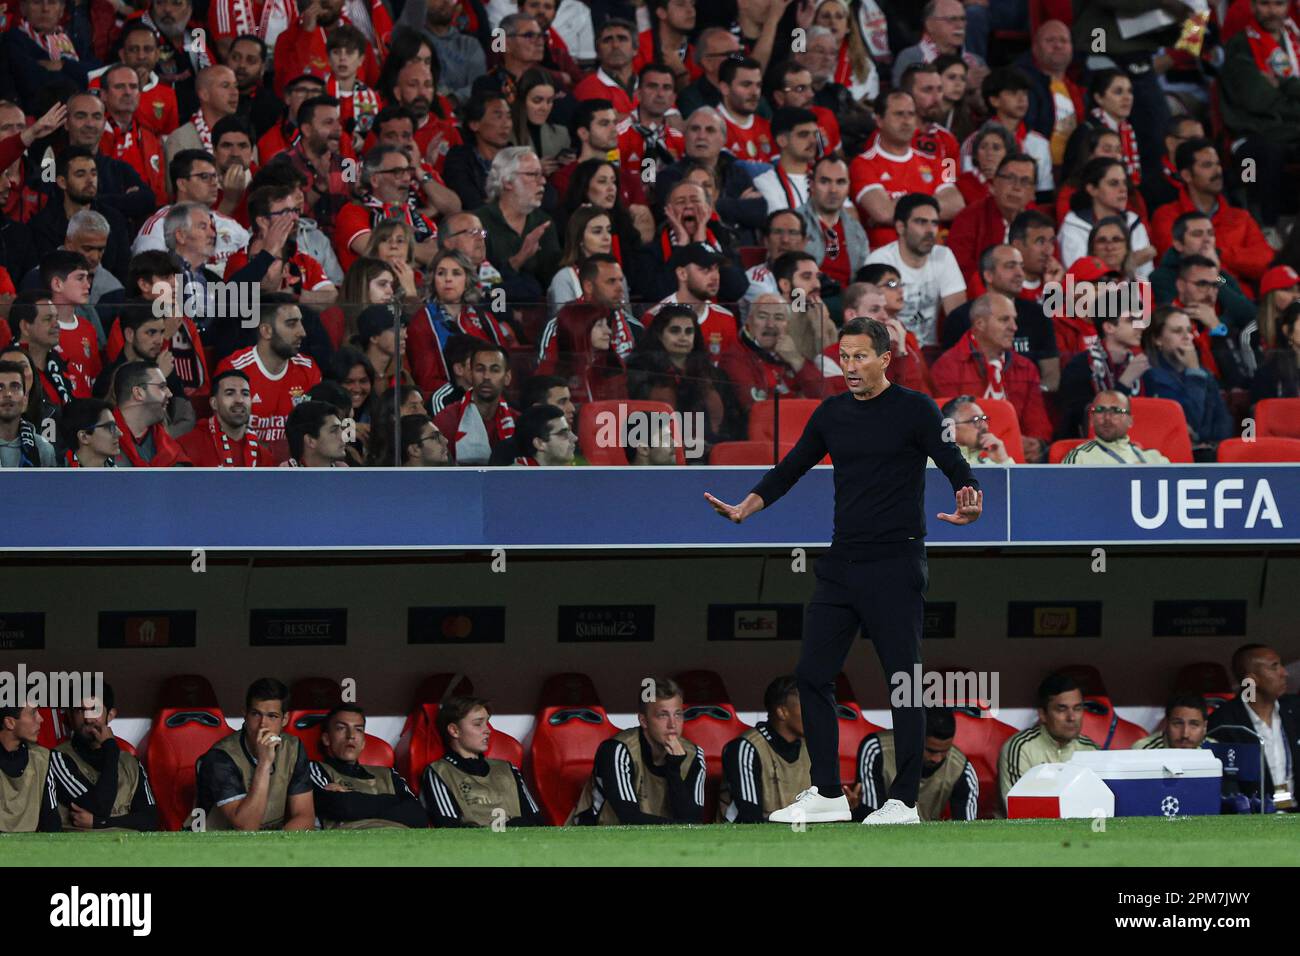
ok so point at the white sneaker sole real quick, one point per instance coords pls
(889, 823)
(819, 816)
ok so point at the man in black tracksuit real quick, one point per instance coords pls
(879, 436)
(349, 795)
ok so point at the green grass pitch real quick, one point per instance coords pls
(1198, 841)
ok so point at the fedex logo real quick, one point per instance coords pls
(1196, 503)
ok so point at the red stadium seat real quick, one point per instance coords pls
(1159, 423)
(1087, 677)
(315, 693)
(1107, 729)
(751, 256)
(178, 737)
(1262, 449)
(981, 740)
(1059, 449)
(1040, 11)
(795, 413)
(1003, 422)
(571, 723)
(419, 732)
(1203, 677)
(746, 452)
(306, 725)
(1278, 417)
(615, 453)
(711, 722)
(853, 727)
(421, 744)
(186, 690)
(54, 729)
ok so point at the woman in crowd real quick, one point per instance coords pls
(409, 401)
(452, 309)
(1278, 375)
(1176, 373)
(351, 369)
(1104, 192)
(392, 242)
(1110, 99)
(671, 365)
(1279, 287)
(854, 68)
(367, 282)
(378, 340)
(991, 144)
(595, 181)
(1089, 142)
(1108, 241)
(530, 121)
(589, 232)
(586, 357)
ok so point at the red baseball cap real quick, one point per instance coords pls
(1278, 277)
(1091, 269)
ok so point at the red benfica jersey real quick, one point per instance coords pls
(439, 131)
(140, 148)
(359, 105)
(274, 397)
(836, 262)
(309, 277)
(298, 52)
(631, 143)
(157, 110)
(717, 327)
(79, 347)
(204, 448)
(280, 138)
(645, 55)
(828, 140)
(752, 141)
(897, 175)
(601, 86)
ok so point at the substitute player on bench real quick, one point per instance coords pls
(766, 767)
(947, 777)
(875, 575)
(350, 795)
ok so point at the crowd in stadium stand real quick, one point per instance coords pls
(272, 775)
(454, 213)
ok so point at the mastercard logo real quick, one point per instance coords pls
(457, 627)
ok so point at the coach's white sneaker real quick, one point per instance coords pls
(811, 807)
(894, 811)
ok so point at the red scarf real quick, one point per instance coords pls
(201, 127)
(502, 424)
(666, 241)
(787, 186)
(57, 45)
(995, 368)
(1270, 55)
(225, 449)
(166, 452)
(1127, 142)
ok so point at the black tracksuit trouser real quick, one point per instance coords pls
(885, 597)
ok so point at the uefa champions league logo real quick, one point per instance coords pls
(1169, 807)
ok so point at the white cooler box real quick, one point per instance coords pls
(1155, 783)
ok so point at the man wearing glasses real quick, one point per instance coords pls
(194, 173)
(1111, 419)
(545, 438)
(1198, 296)
(90, 434)
(712, 48)
(795, 91)
(945, 32)
(525, 49)
(971, 434)
(386, 184)
(988, 221)
(614, 79)
(521, 237)
(142, 396)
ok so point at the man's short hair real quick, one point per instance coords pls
(59, 264)
(787, 118)
(272, 303)
(585, 113)
(476, 106)
(334, 395)
(876, 331)
(394, 111)
(614, 23)
(1005, 79)
(307, 111)
(873, 273)
(182, 164)
(481, 346)
(1185, 154)
(988, 258)
(1184, 221)
(459, 349)
(881, 104)
(342, 709)
(232, 124)
(1028, 220)
(128, 377)
(85, 221)
(1188, 263)
(787, 264)
(589, 270)
(911, 203)
(253, 39)
(773, 216)
(664, 688)
(409, 428)
(1241, 660)
(733, 65)
(1017, 158)
(778, 692)
(78, 415)
(219, 377)
(908, 79)
(306, 419)
(951, 406)
(260, 199)
(940, 723)
(68, 155)
(178, 218)
(1054, 685)
(266, 688)
(1190, 701)
(455, 709)
(149, 265)
(535, 423)
(135, 317)
(537, 387)
(24, 309)
(653, 68)
(347, 37)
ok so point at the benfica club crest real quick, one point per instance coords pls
(158, 109)
(296, 395)
(85, 347)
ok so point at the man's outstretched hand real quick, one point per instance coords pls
(970, 504)
(737, 513)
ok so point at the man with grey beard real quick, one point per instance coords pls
(520, 237)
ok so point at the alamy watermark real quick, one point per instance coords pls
(1099, 300)
(212, 300)
(917, 688)
(53, 689)
(634, 428)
